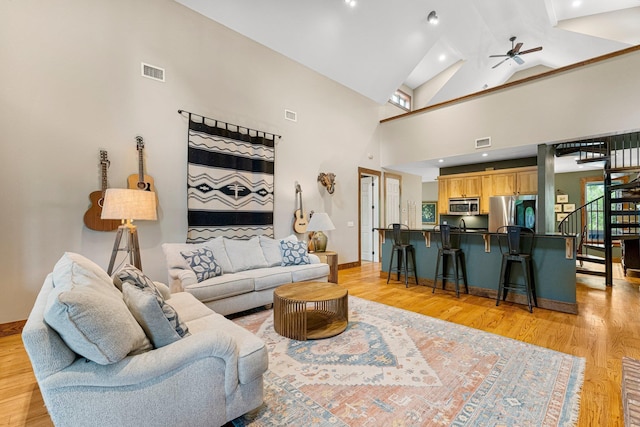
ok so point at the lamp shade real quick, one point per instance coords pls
(122, 203)
(320, 221)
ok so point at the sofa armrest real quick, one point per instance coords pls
(179, 278)
(133, 370)
(314, 259)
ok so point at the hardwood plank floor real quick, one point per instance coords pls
(606, 328)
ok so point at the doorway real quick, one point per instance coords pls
(369, 215)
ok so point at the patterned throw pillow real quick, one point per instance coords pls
(202, 263)
(294, 253)
(132, 275)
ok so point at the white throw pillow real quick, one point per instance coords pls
(245, 254)
(271, 249)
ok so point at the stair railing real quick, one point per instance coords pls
(588, 222)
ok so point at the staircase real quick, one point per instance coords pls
(615, 215)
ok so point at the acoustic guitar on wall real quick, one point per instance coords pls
(92, 217)
(140, 181)
(300, 222)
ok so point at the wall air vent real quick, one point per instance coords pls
(483, 142)
(152, 72)
(291, 115)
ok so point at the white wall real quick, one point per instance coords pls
(593, 100)
(71, 86)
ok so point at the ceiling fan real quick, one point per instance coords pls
(514, 53)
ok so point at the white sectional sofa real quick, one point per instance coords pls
(245, 273)
(135, 357)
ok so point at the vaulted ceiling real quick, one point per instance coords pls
(375, 46)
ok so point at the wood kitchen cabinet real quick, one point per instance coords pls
(468, 186)
(443, 196)
(527, 182)
(503, 184)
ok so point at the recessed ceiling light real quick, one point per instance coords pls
(433, 18)
(441, 160)
(442, 57)
(576, 3)
(351, 3)
(485, 154)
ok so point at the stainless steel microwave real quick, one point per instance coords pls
(466, 206)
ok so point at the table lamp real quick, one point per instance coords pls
(318, 223)
(128, 205)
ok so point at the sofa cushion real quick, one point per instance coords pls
(188, 307)
(303, 273)
(271, 249)
(174, 259)
(90, 315)
(220, 287)
(245, 254)
(130, 274)
(294, 253)
(77, 269)
(269, 278)
(203, 263)
(147, 309)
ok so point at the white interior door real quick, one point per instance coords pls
(392, 200)
(366, 233)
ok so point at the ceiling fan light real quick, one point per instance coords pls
(432, 18)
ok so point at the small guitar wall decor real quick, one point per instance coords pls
(92, 217)
(140, 181)
(300, 222)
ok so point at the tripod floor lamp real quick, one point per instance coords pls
(128, 205)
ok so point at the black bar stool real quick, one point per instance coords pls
(402, 250)
(515, 249)
(446, 250)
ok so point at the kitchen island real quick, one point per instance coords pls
(553, 259)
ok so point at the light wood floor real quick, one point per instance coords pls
(606, 328)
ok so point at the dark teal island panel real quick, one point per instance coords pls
(554, 273)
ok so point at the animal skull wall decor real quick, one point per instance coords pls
(328, 181)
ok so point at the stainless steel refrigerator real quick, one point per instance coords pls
(512, 210)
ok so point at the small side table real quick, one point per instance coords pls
(330, 258)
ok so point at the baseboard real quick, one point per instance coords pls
(349, 265)
(11, 328)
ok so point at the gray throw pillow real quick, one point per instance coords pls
(90, 315)
(130, 274)
(294, 253)
(148, 311)
(203, 263)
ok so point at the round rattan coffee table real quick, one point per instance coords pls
(310, 310)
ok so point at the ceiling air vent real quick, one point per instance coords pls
(483, 142)
(152, 72)
(291, 115)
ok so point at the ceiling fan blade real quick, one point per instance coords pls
(498, 56)
(516, 49)
(519, 60)
(535, 49)
(505, 59)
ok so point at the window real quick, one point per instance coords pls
(593, 216)
(402, 100)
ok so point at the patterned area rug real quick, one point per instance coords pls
(393, 367)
